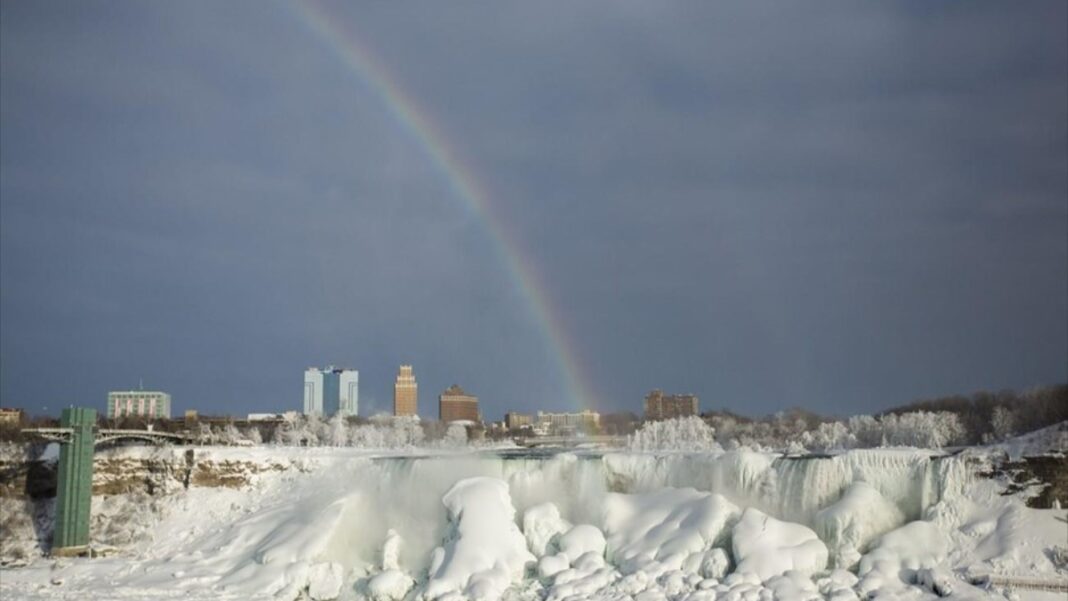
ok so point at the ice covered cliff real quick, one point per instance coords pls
(737, 525)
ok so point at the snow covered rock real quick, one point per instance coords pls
(715, 563)
(324, 581)
(484, 552)
(848, 526)
(665, 527)
(580, 540)
(541, 524)
(769, 547)
(391, 550)
(913, 546)
(390, 585)
(551, 565)
(899, 554)
(938, 580)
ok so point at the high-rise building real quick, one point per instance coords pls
(667, 406)
(405, 392)
(139, 403)
(330, 391)
(456, 405)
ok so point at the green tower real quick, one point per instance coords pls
(71, 535)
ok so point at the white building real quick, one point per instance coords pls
(331, 390)
(568, 423)
(139, 403)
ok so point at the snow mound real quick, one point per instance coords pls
(848, 526)
(659, 531)
(769, 547)
(580, 540)
(541, 524)
(390, 585)
(324, 581)
(899, 555)
(484, 552)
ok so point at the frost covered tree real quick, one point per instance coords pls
(1003, 423)
(455, 435)
(253, 435)
(205, 435)
(229, 435)
(679, 434)
(829, 436)
(337, 431)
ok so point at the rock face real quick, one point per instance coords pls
(138, 475)
(1045, 475)
(150, 471)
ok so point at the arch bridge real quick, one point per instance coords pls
(103, 435)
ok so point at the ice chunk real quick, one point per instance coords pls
(665, 526)
(540, 524)
(899, 554)
(768, 547)
(551, 565)
(484, 551)
(848, 526)
(915, 545)
(580, 540)
(324, 581)
(390, 585)
(715, 564)
(391, 551)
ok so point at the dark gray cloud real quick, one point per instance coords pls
(840, 207)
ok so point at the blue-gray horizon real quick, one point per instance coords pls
(843, 209)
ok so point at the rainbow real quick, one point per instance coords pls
(465, 186)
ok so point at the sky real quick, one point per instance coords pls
(838, 206)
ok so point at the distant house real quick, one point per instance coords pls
(11, 416)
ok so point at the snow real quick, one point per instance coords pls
(769, 547)
(485, 552)
(324, 581)
(541, 524)
(899, 554)
(580, 540)
(390, 585)
(323, 523)
(658, 531)
(850, 524)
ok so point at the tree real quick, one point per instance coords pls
(1003, 423)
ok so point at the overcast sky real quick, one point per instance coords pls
(841, 206)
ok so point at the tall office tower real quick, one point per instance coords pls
(331, 390)
(667, 406)
(139, 403)
(456, 405)
(405, 392)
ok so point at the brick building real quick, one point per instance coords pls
(456, 405)
(667, 406)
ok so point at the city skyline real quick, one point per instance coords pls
(212, 197)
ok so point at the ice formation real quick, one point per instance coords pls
(661, 530)
(717, 526)
(769, 547)
(485, 552)
(851, 523)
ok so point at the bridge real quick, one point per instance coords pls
(65, 435)
(571, 441)
(78, 437)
